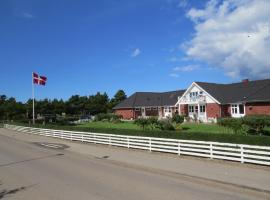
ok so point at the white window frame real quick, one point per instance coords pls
(235, 110)
(202, 110)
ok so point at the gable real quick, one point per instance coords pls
(196, 94)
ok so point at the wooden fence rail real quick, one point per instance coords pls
(214, 150)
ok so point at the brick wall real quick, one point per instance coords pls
(125, 113)
(213, 110)
(257, 108)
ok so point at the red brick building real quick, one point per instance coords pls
(209, 101)
(145, 104)
(201, 101)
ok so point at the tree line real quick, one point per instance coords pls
(76, 105)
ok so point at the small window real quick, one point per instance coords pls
(148, 108)
(202, 109)
(241, 109)
(191, 109)
(137, 109)
(154, 108)
(234, 109)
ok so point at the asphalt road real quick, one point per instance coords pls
(42, 170)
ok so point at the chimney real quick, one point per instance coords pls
(245, 80)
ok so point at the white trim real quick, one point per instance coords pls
(190, 87)
(238, 114)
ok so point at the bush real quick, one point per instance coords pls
(107, 117)
(178, 119)
(257, 123)
(142, 122)
(165, 124)
(235, 124)
(152, 122)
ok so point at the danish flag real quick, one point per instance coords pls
(40, 80)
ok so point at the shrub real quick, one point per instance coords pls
(178, 119)
(165, 124)
(256, 123)
(107, 117)
(142, 122)
(235, 124)
(152, 122)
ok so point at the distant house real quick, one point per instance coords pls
(203, 101)
(209, 101)
(144, 104)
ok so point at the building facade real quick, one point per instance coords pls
(207, 102)
(201, 101)
(146, 104)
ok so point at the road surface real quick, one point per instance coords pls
(37, 168)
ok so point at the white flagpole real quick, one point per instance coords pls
(33, 97)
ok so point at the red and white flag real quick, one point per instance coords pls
(40, 80)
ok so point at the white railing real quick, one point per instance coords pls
(214, 150)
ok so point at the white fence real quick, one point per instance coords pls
(214, 150)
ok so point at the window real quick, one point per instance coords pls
(234, 109)
(202, 108)
(193, 94)
(241, 109)
(137, 109)
(154, 108)
(196, 109)
(148, 108)
(237, 109)
(191, 109)
(167, 109)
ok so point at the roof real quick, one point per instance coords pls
(247, 91)
(147, 99)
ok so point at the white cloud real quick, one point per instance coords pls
(27, 15)
(135, 52)
(233, 35)
(174, 75)
(187, 68)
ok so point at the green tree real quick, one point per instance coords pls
(119, 96)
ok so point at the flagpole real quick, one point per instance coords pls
(33, 98)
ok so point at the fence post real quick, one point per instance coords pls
(110, 140)
(82, 138)
(211, 150)
(150, 144)
(242, 153)
(94, 138)
(71, 136)
(128, 141)
(179, 148)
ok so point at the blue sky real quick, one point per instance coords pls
(87, 46)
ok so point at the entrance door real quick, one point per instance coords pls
(143, 112)
(202, 113)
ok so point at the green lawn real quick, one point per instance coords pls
(109, 125)
(186, 128)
